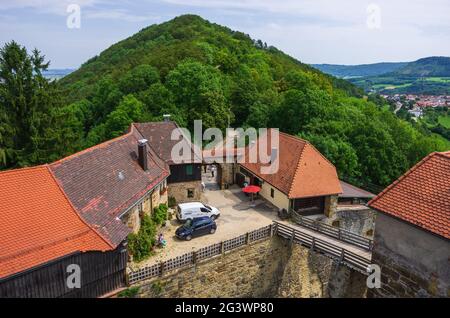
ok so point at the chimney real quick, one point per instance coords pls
(166, 117)
(142, 151)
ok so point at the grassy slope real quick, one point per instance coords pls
(444, 121)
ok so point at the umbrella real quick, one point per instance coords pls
(251, 189)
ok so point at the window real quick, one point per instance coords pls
(141, 207)
(272, 193)
(189, 170)
(190, 193)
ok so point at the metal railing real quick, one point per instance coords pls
(346, 257)
(337, 233)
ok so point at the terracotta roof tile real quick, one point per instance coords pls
(38, 223)
(421, 196)
(303, 171)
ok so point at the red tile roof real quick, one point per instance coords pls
(38, 224)
(303, 170)
(421, 196)
(102, 182)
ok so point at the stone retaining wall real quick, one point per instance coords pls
(268, 268)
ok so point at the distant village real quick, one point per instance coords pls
(416, 104)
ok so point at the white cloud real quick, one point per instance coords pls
(119, 14)
(419, 12)
(336, 31)
(91, 9)
(58, 7)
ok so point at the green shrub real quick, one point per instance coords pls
(160, 214)
(140, 244)
(129, 292)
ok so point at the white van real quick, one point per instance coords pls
(192, 210)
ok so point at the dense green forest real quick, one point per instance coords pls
(434, 66)
(194, 69)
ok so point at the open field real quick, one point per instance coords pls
(438, 79)
(405, 85)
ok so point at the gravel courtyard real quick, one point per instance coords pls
(238, 216)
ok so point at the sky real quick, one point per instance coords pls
(313, 31)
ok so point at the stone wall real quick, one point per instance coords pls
(331, 202)
(360, 221)
(268, 268)
(413, 262)
(227, 173)
(133, 218)
(180, 191)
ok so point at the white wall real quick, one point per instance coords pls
(280, 200)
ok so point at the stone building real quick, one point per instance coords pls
(184, 182)
(412, 233)
(112, 185)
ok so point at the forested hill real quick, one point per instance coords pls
(164, 45)
(346, 71)
(194, 69)
(435, 66)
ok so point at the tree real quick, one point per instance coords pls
(244, 94)
(105, 99)
(139, 79)
(339, 152)
(129, 110)
(198, 91)
(158, 100)
(27, 101)
(298, 108)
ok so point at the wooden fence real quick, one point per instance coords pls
(337, 233)
(191, 258)
(334, 251)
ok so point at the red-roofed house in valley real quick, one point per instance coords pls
(305, 180)
(42, 234)
(412, 235)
